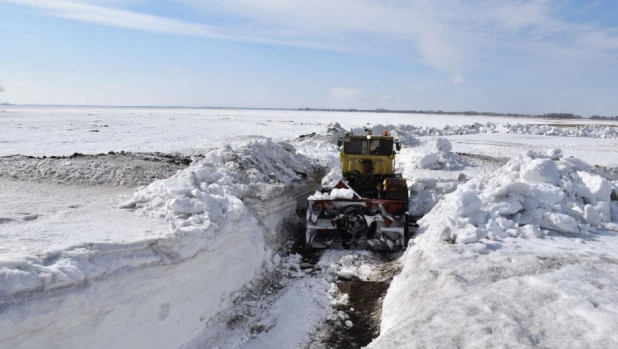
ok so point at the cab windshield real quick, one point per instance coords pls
(381, 147)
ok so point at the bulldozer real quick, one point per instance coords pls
(368, 207)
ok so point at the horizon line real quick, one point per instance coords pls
(375, 110)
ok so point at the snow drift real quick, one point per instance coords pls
(525, 256)
(157, 292)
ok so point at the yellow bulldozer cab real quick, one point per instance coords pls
(359, 152)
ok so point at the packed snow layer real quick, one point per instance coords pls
(113, 293)
(42, 219)
(66, 130)
(524, 256)
(158, 305)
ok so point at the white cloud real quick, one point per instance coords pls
(454, 36)
(458, 79)
(349, 94)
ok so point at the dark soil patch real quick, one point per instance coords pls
(153, 157)
(365, 297)
(366, 300)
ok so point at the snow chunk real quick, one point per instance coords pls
(554, 154)
(187, 206)
(596, 185)
(428, 161)
(540, 171)
(469, 234)
(467, 203)
(443, 145)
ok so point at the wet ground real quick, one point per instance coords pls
(364, 300)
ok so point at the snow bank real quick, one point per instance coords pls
(408, 133)
(528, 197)
(525, 256)
(155, 292)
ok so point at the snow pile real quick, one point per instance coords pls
(408, 133)
(528, 197)
(525, 256)
(442, 158)
(199, 199)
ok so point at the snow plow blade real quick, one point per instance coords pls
(357, 223)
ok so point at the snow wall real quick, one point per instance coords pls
(227, 213)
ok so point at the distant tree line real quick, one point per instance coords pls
(468, 112)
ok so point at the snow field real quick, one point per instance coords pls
(484, 271)
(49, 131)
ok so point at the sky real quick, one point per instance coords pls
(523, 56)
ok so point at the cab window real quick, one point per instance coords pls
(355, 146)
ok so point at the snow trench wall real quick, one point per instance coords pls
(158, 293)
(281, 208)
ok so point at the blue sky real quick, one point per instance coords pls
(531, 56)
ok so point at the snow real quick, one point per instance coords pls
(65, 130)
(443, 145)
(552, 292)
(336, 193)
(514, 250)
(541, 171)
(42, 219)
(519, 256)
(441, 159)
(549, 194)
(289, 307)
(207, 225)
